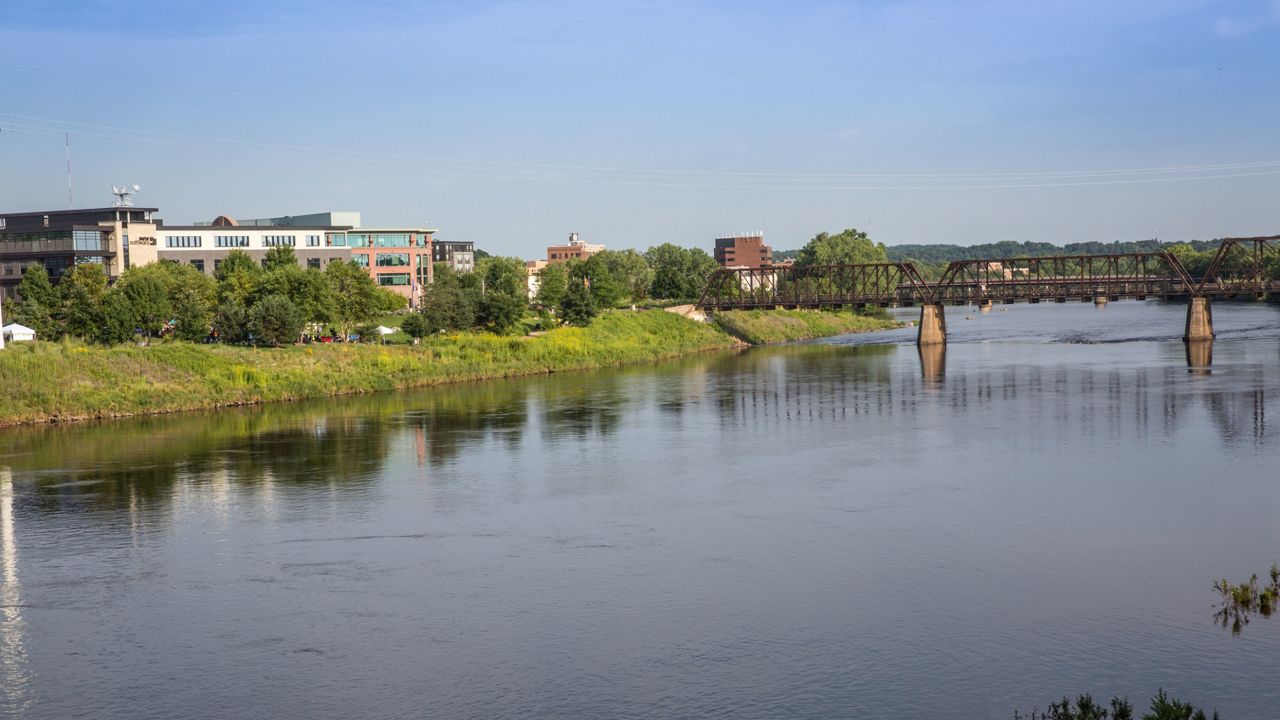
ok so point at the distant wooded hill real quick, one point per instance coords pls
(932, 254)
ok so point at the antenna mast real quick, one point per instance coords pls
(70, 200)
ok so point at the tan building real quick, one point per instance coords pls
(533, 279)
(743, 251)
(576, 249)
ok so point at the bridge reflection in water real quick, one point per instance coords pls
(1242, 267)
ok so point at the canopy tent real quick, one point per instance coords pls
(384, 330)
(17, 333)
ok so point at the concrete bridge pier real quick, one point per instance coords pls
(1199, 320)
(933, 325)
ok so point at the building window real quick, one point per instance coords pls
(336, 240)
(393, 259)
(393, 240)
(217, 264)
(1, 223)
(361, 260)
(393, 279)
(87, 240)
(198, 264)
(183, 241)
(313, 263)
(313, 241)
(357, 240)
(279, 240)
(224, 241)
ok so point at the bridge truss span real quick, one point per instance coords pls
(1061, 277)
(1241, 266)
(814, 286)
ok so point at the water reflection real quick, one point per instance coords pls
(933, 361)
(13, 655)
(1199, 356)
(344, 445)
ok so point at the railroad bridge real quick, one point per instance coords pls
(1241, 267)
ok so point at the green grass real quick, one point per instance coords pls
(64, 381)
(761, 327)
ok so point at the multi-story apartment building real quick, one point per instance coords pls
(459, 254)
(743, 251)
(115, 237)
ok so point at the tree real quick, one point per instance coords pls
(82, 290)
(847, 247)
(605, 289)
(446, 303)
(500, 312)
(356, 298)
(275, 320)
(117, 323)
(38, 303)
(231, 322)
(678, 273)
(553, 280)
(280, 256)
(309, 289)
(577, 307)
(416, 326)
(503, 274)
(188, 299)
(148, 301)
(630, 270)
(237, 276)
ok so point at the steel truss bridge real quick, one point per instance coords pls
(1240, 267)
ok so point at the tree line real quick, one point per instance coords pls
(244, 302)
(275, 301)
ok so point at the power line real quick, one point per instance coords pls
(676, 179)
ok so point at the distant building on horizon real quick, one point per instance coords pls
(743, 251)
(576, 249)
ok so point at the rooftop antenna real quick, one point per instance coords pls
(124, 195)
(70, 200)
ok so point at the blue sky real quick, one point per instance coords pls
(632, 123)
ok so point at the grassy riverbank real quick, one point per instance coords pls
(52, 382)
(47, 382)
(762, 327)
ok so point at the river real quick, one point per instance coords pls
(831, 529)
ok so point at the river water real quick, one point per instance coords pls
(833, 529)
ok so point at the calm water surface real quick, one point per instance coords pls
(818, 530)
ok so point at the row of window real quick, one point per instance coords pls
(185, 241)
(231, 241)
(279, 240)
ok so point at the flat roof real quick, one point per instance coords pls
(254, 228)
(75, 211)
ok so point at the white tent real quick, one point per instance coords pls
(384, 330)
(18, 333)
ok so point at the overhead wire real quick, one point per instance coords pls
(701, 179)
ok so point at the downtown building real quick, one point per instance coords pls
(397, 258)
(116, 238)
(743, 251)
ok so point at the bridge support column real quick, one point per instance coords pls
(1199, 320)
(933, 325)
